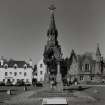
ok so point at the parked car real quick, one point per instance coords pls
(20, 83)
(38, 84)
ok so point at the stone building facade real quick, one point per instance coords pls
(72, 73)
(41, 69)
(13, 71)
(86, 67)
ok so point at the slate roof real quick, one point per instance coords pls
(81, 58)
(73, 56)
(11, 63)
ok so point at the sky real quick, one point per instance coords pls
(24, 24)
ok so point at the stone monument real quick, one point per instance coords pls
(52, 54)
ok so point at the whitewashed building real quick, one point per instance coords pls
(41, 68)
(13, 71)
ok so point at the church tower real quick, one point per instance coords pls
(98, 54)
(98, 61)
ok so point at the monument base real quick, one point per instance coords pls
(59, 79)
(59, 86)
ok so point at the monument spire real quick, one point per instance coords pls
(52, 31)
(52, 20)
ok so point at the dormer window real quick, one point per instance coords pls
(5, 66)
(15, 66)
(25, 66)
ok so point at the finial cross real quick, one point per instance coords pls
(52, 7)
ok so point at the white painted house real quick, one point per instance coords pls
(14, 71)
(41, 68)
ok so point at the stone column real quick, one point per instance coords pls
(59, 79)
(46, 76)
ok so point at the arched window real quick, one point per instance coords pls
(15, 66)
(5, 66)
(25, 66)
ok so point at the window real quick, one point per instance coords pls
(81, 77)
(5, 66)
(20, 73)
(25, 66)
(87, 67)
(15, 66)
(6, 73)
(91, 77)
(36, 74)
(8, 80)
(13, 80)
(41, 72)
(10, 73)
(15, 73)
(27, 80)
(25, 73)
(41, 65)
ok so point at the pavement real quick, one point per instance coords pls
(24, 97)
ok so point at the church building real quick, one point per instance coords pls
(86, 67)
